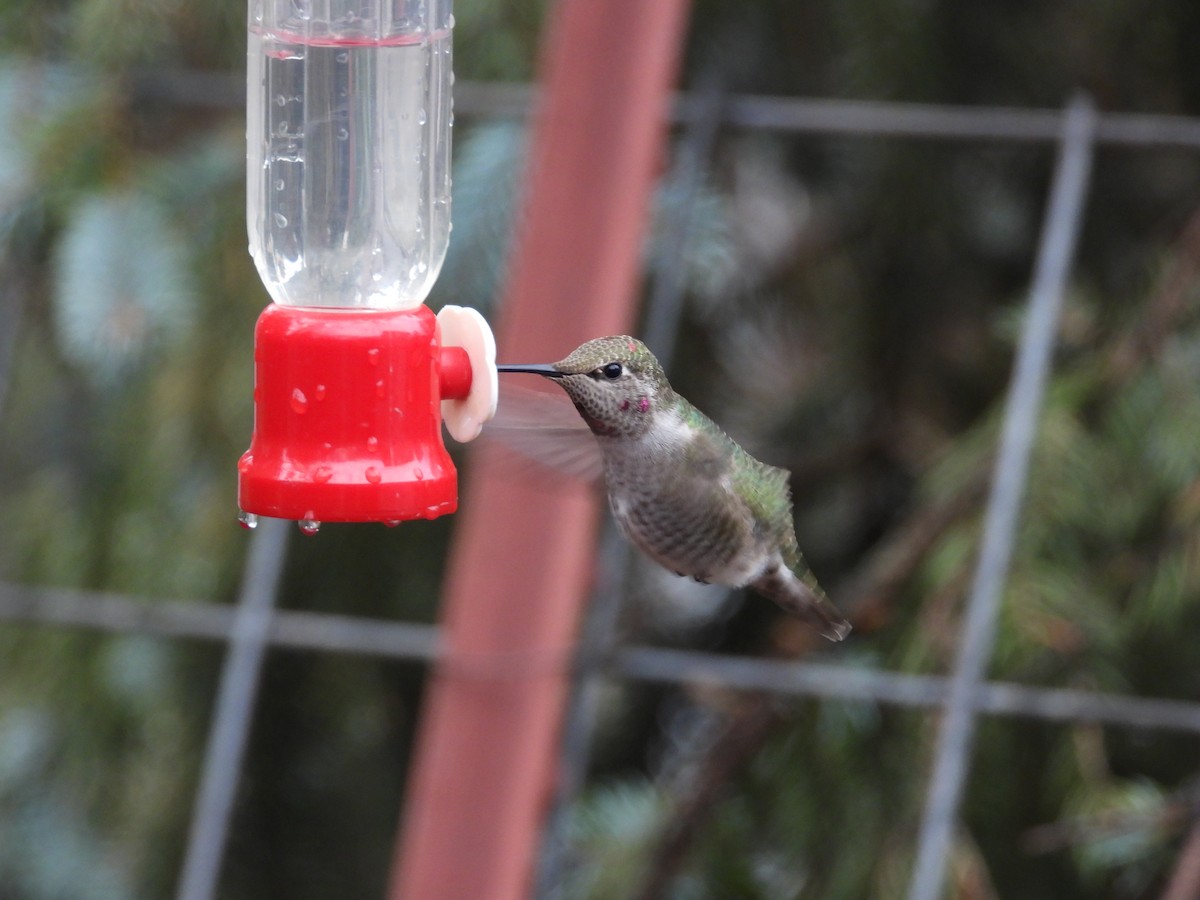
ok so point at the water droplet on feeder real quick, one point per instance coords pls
(373, 475)
(299, 402)
(373, 444)
(309, 526)
(322, 474)
(248, 520)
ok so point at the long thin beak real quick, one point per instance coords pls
(533, 369)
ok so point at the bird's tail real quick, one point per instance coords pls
(807, 601)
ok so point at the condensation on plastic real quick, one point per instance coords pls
(348, 142)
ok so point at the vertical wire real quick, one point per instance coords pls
(664, 309)
(12, 312)
(227, 739)
(1055, 254)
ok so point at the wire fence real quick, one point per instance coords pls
(1056, 251)
(254, 624)
(382, 639)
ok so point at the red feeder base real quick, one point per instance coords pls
(347, 416)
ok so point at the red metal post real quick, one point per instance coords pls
(520, 567)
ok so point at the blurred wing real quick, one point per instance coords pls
(543, 427)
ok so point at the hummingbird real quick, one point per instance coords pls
(681, 490)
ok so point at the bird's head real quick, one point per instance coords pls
(615, 383)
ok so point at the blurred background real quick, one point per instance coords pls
(851, 305)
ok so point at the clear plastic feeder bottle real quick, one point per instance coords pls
(348, 138)
(348, 212)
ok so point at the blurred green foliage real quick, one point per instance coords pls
(851, 312)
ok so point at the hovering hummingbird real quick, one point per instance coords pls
(682, 490)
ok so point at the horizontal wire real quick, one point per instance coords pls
(899, 689)
(919, 120)
(119, 614)
(863, 118)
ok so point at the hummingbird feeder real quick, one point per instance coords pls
(349, 113)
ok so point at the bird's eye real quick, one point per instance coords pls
(613, 370)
